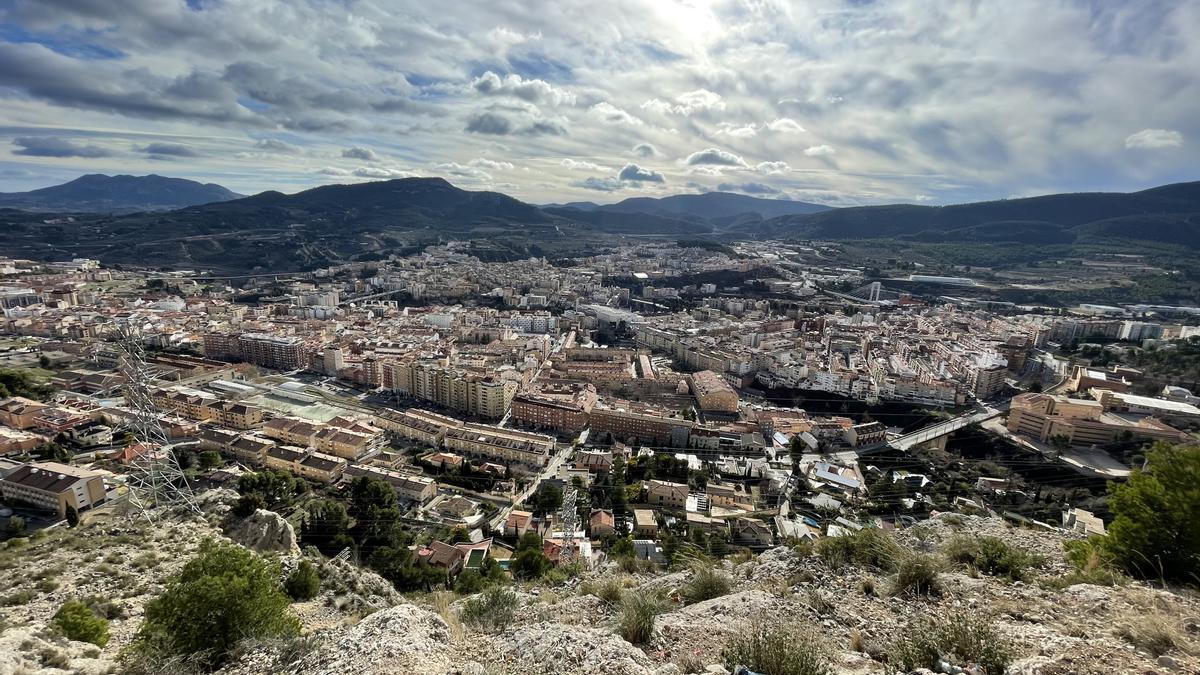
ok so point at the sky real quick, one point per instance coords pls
(840, 102)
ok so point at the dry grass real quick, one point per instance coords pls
(1156, 633)
(439, 602)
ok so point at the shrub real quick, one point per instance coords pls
(530, 564)
(638, 611)
(958, 638)
(1153, 533)
(789, 650)
(1094, 564)
(304, 583)
(78, 622)
(706, 583)
(224, 594)
(20, 597)
(490, 611)
(917, 576)
(992, 556)
(608, 589)
(868, 547)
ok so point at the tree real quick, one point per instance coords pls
(304, 583)
(530, 564)
(274, 490)
(223, 595)
(72, 516)
(547, 499)
(326, 525)
(78, 622)
(16, 526)
(210, 459)
(1155, 533)
(44, 361)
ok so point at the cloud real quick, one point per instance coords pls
(333, 171)
(784, 125)
(166, 150)
(687, 104)
(489, 123)
(715, 157)
(456, 169)
(359, 152)
(582, 165)
(534, 91)
(635, 173)
(275, 146)
(737, 130)
(495, 124)
(381, 172)
(819, 151)
(495, 165)
(1154, 139)
(52, 146)
(772, 167)
(749, 188)
(600, 184)
(612, 114)
(646, 150)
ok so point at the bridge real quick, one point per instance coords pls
(873, 293)
(942, 429)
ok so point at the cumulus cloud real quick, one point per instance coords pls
(646, 150)
(635, 173)
(819, 150)
(714, 157)
(582, 165)
(333, 171)
(784, 125)
(382, 172)
(687, 103)
(52, 146)
(359, 152)
(772, 167)
(749, 188)
(497, 124)
(494, 165)
(489, 123)
(165, 150)
(534, 91)
(737, 130)
(612, 114)
(600, 184)
(1154, 139)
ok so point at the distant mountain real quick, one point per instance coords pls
(98, 193)
(1167, 214)
(712, 205)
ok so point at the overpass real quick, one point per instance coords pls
(945, 428)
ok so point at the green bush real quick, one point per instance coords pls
(224, 594)
(917, 576)
(78, 622)
(1155, 533)
(957, 638)
(491, 611)
(706, 583)
(788, 650)
(304, 583)
(638, 611)
(992, 556)
(20, 597)
(869, 547)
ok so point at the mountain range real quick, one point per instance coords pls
(339, 222)
(98, 193)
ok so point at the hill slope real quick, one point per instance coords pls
(1167, 214)
(98, 193)
(711, 205)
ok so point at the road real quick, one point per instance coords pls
(497, 521)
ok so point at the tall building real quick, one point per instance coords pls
(271, 351)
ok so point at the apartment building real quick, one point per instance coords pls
(1082, 422)
(272, 351)
(18, 412)
(408, 486)
(310, 464)
(54, 487)
(505, 445)
(481, 394)
(643, 422)
(563, 407)
(418, 425)
(713, 393)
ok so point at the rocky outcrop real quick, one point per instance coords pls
(266, 532)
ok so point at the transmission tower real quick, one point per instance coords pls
(569, 519)
(155, 478)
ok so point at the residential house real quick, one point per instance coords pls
(645, 524)
(751, 532)
(663, 493)
(518, 523)
(602, 523)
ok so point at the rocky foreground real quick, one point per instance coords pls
(360, 625)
